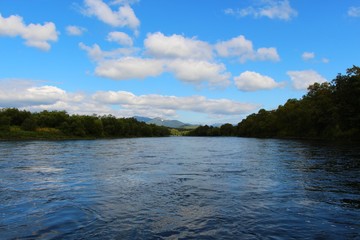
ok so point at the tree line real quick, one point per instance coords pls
(329, 110)
(82, 126)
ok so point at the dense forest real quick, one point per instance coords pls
(22, 124)
(330, 110)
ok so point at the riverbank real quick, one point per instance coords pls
(50, 134)
(16, 134)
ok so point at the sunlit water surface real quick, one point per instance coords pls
(179, 188)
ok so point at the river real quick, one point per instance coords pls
(179, 188)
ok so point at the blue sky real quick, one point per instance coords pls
(196, 61)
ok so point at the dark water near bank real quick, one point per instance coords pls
(179, 188)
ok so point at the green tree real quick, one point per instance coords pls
(4, 123)
(77, 127)
(52, 119)
(93, 126)
(29, 124)
(227, 130)
(347, 92)
(328, 110)
(16, 116)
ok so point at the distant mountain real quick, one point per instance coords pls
(163, 122)
(142, 119)
(218, 124)
(167, 123)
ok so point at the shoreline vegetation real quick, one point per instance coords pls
(18, 124)
(329, 111)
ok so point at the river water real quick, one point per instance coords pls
(179, 188)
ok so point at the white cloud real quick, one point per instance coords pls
(121, 2)
(20, 93)
(75, 30)
(123, 17)
(114, 65)
(303, 79)
(176, 46)
(354, 12)
(31, 95)
(267, 54)
(197, 72)
(35, 35)
(188, 59)
(85, 107)
(129, 68)
(120, 38)
(243, 48)
(145, 112)
(308, 56)
(273, 9)
(238, 46)
(325, 60)
(95, 53)
(155, 102)
(252, 81)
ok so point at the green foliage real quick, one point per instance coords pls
(346, 93)
(227, 130)
(29, 124)
(327, 111)
(179, 132)
(211, 131)
(52, 119)
(5, 123)
(60, 125)
(16, 116)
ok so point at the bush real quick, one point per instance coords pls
(29, 124)
(5, 123)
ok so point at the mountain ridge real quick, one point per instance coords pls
(163, 122)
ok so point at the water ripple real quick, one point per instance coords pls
(179, 188)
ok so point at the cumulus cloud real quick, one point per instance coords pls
(176, 46)
(308, 56)
(85, 107)
(21, 93)
(197, 72)
(34, 96)
(243, 48)
(354, 12)
(303, 79)
(119, 64)
(273, 9)
(120, 38)
(75, 30)
(129, 68)
(267, 54)
(238, 46)
(37, 96)
(123, 17)
(35, 35)
(95, 53)
(252, 81)
(197, 104)
(190, 60)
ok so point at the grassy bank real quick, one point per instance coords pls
(16, 133)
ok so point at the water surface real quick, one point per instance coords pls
(179, 188)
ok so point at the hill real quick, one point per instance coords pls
(163, 122)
